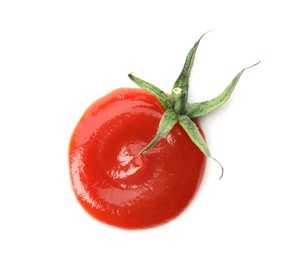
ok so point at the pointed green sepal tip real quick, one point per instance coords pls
(158, 93)
(199, 109)
(167, 122)
(222, 169)
(179, 94)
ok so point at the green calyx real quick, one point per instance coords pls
(181, 112)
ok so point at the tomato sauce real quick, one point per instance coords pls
(116, 185)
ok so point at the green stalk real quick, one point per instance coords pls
(181, 112)
(179, 92)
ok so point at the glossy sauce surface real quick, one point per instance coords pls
(116, 185)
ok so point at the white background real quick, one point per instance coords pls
(57, 57)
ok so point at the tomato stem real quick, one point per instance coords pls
(179, 94)
(181, 112)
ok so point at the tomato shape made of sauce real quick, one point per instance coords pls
(116, 185)
(138, 156)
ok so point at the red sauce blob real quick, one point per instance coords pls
(115, 184)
